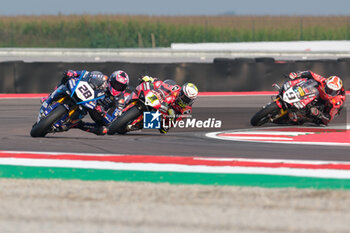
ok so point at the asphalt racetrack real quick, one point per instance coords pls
(18, 115)
(55, 205)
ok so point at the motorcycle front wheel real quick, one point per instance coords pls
(265, 114)
(120, 124)
(41, 128)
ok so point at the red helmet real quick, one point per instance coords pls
(333, 86)
(118, 81)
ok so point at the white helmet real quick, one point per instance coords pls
(187, 95)
(333, 85)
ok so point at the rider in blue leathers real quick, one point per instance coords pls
(108, 108)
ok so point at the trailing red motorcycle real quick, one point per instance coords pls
(292, 104)
(146, 98)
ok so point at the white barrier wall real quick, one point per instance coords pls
(292, 46)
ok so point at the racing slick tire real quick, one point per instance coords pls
(41, 128)
(120, 124)
(264, 115)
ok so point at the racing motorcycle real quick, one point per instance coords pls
(295, 98)
(68, 104)
(145, 98)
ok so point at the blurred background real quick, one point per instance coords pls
(158, 23)
(222, 45)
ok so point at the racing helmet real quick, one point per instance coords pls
(118, 82)
(98, 80)
(333, 86)
(187, 95)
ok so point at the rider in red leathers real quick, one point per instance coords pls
(332, 93)
(178, 100)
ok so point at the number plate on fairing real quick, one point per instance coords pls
(290, 96)
(151, 99)
(84, 91)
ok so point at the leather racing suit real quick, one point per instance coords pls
(171, 109)
(332, 104)
(106, 110)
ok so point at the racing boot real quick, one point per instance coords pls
(293, 117)
(296, 119)
(164, 130)
(91, 128)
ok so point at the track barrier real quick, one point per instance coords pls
(223, 75)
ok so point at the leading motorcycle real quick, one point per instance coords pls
(68, 104)
(295, 98)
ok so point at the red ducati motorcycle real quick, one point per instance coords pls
(294, 99)
(146, 98)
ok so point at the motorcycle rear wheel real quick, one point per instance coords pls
(120, 124)
(41, 128)
(265, 114)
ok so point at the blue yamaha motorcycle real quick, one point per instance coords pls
(68, 104)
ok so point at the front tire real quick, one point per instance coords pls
(41, 128)
(265, 114)
(120, 124)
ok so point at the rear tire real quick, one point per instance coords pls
(264, 115)
(120, 124)
(41, 128)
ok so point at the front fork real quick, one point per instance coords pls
(69, 120)
(71, 111)
(283, 111)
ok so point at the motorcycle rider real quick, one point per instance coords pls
(108, 108)
(332, 94)
(180, 99)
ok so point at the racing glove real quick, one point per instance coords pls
(67, 75)
(295, 75)
(147, 79)
(300, 74)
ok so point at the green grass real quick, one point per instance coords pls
(86, 31)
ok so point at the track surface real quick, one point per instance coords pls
(18, 115)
